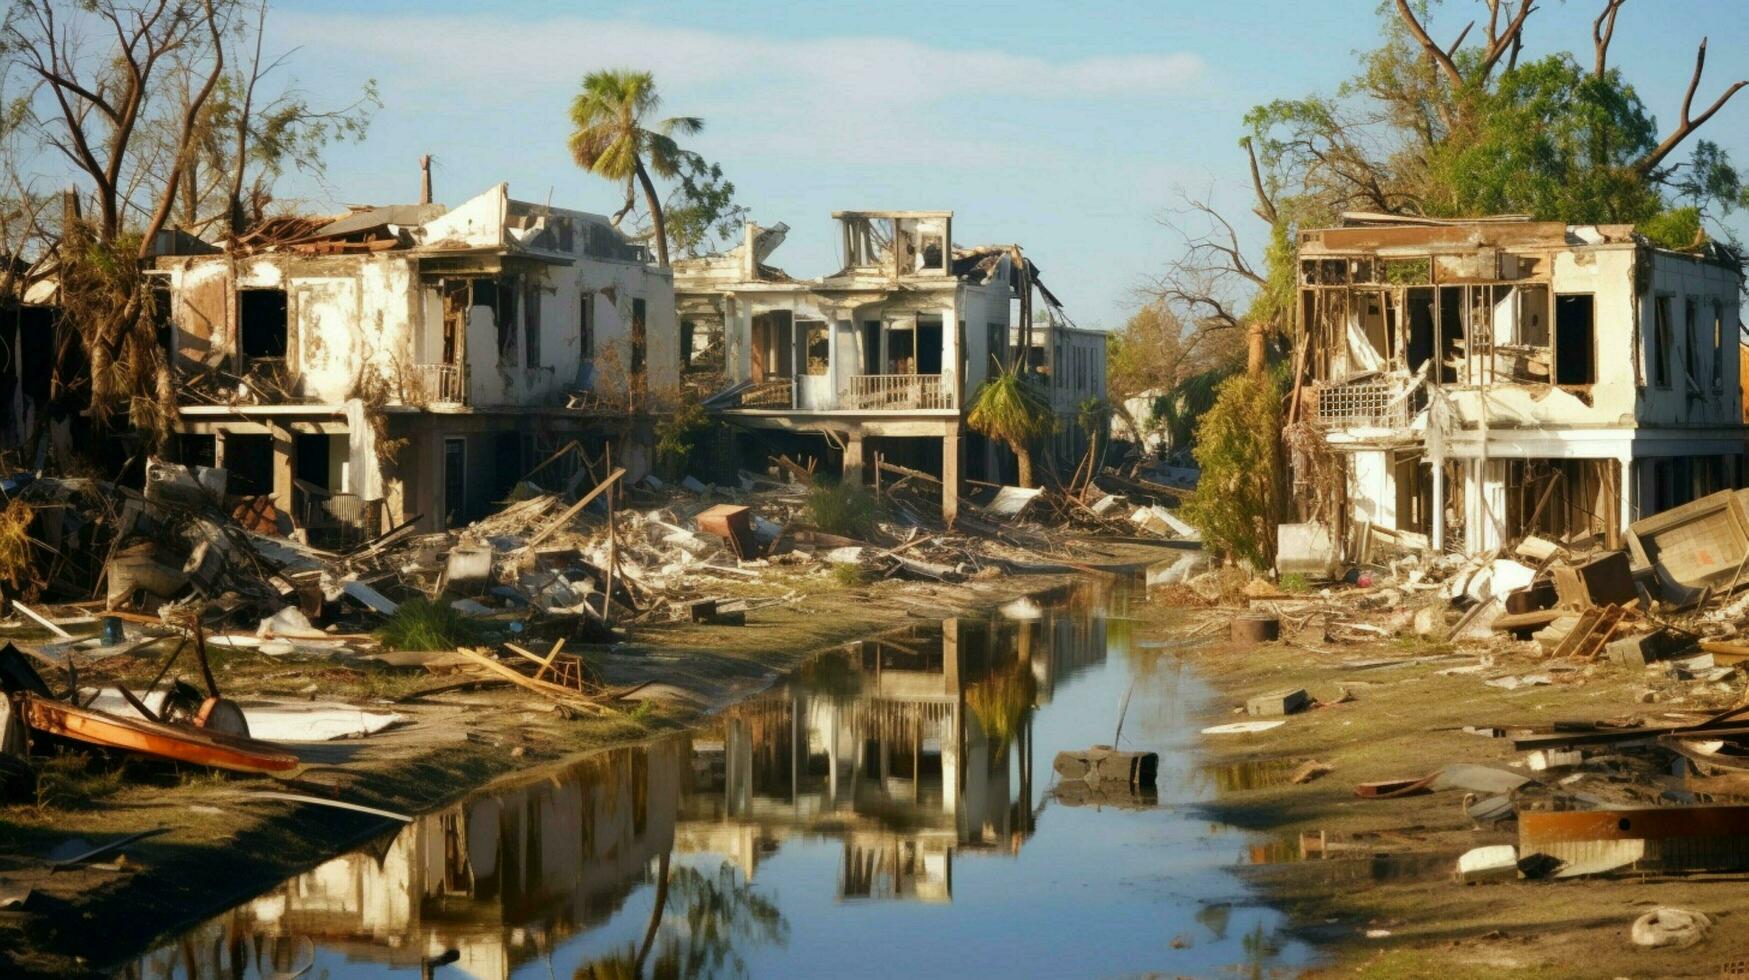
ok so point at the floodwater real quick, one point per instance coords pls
(890, 811)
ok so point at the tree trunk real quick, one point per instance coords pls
(655, 216)
(656, 912)
(1023, 456)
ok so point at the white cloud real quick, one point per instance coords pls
(456, 56)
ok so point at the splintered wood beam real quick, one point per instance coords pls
(576, 508)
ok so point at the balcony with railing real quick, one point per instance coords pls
(780, 393)
(897, 392)
(1376, 403)
(440, 383)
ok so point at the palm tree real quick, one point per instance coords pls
(1009, 406)
(612, 138)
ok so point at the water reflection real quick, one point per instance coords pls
(904, 754)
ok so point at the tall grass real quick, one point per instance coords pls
(846, 509)
(421, 624)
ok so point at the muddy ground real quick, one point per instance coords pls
(216, 847)
(1406, 720)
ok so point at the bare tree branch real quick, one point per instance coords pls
(1688, 123)
(1602, 31)
(1434, 51)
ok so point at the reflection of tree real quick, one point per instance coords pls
(1002, 702)
(720, 913)
(833, 676)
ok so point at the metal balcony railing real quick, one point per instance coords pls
(1387, 404)
(876, 392)
(780, 393)
(441, 383)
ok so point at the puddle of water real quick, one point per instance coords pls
(890, 811)
(1247, 774)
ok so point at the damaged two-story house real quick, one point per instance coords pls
(885, 354)
(1481, 381)
(411, 361)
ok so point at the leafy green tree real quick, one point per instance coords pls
(1234, 501)
(1010, 407)
(615, 137)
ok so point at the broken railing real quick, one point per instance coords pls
(1382, 403)
(440, 382)
(873, 392)
(769, 394)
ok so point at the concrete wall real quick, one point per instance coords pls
(345, 315)
(611, 288)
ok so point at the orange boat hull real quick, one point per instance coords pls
(172, 742)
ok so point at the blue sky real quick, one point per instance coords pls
(1069, 127)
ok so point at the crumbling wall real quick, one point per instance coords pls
(200, 307)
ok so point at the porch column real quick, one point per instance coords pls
(284, 453)
(854, 457)
(953, 458)
(1437, 518)
(1627, 492)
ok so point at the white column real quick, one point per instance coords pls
(1438, 516)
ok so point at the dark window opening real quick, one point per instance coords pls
(929, 347)
(455, 481)
(586, 326)
(507, 464)
(1420, 347)
(1575, 341)
(1691, 343)
(249, 463)
(901, 352)
(311, 464)
(262, 315)
(871, 347)
(639, 337)
(686, 330)
(1661, 340)
(193, 449)
(1451, 332)
(1718, 365)
(531, 324)
(161, 308)
(499, 296)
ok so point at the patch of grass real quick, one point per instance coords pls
(851, 575)
(74, 781)
(421, 624)
(1294, 582)
(846, 509)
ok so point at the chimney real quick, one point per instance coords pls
(425, 179)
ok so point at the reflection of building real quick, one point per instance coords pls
(491, 878)
(906, 750)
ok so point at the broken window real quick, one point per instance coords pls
(816, 346)
(586, 326)
(1575, 340)
(1691, 345)
(1718, 365)
(639, 338)
(531, 324)
(261, 315)
(1661, 340)
(499, 296)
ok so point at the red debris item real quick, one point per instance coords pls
(734, 524)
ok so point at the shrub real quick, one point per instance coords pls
(847, 509)
(679, 436)
(1234, 501)
(421, 624)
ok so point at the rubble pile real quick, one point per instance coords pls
(164, 575)
(1652, 785)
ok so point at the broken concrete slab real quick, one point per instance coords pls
(1497, 862)
(1277, 703)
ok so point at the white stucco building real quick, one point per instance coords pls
(1487, 379)
(416, 354)
(891, 347)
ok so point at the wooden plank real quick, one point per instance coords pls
(563, 695)
(576, 508)
(41, 620)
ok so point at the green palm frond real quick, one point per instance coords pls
(1010, 406)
